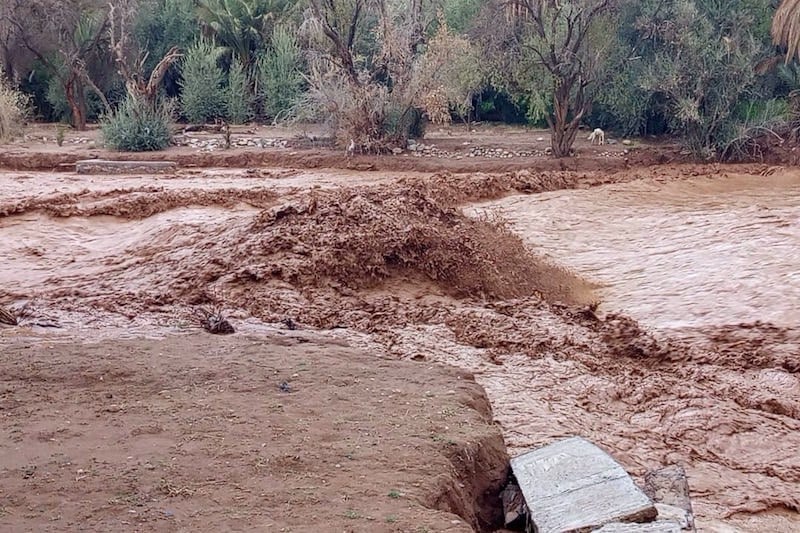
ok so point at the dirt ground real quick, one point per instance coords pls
(375, 263)
(274, 432)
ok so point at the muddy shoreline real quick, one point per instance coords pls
(390, 264)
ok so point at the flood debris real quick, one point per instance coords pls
(7, 317)
(213, 321)
(574, 486)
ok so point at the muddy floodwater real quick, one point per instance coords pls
(683, 254)
(114, 256)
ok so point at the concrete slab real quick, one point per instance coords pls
(574, 486)
(105, 166)
(652, 527)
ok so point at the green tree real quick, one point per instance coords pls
(279, 75)
(238, 95)
(202, 96)
(557, 58)
(242, 27)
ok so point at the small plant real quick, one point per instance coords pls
(394, 494)
(391, 519)
(137, 126)
(13, 108)
(352, 515)
(60, 132)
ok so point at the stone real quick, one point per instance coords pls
(103, 166)
(669, 488)
(397, 151)
(572, 485)
(514, 509)
(627, 142)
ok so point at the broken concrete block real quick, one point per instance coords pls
(574, 486)
(103, 166)
(514, 510)
(669, 487)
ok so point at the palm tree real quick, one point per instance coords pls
(241, 26)
(786, 27)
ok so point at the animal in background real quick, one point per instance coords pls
(597, 135)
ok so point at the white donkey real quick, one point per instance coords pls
(597, 135)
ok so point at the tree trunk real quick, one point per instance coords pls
(565, 121)
(73, 90)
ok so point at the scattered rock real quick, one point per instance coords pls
(397, 151)
(627, 142)
(103, 166)
(514, 509)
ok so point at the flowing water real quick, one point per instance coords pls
(677, 256)
(682, 254)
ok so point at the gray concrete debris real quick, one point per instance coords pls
(103, 166)
(669, 487)
(652, 527)
(574, 486)
(514, 509)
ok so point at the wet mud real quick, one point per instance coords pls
(407, 267)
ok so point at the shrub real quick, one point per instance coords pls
(13, 108)
(238, 98)
(203, 97)
(279, 77)
(137, 126)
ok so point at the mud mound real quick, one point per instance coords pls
(134, 203)
(360, 237)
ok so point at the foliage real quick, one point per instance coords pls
(238, 96)
(786, 27)
(697, 64)
(241, 27)
(137, 126)
(161, 24)
(279, 75)
(446, 76)
(13, 108)
(202, 97)
(561, 54)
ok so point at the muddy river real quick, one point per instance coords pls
(682, 254)
(678, 255)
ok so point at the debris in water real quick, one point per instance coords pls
(214, 322)
(7, 317)
(285, 387)
(289, 323)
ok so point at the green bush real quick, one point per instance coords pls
(203, 96)
(238, 98)
(13, 108)
(279, 78)
(137, 126)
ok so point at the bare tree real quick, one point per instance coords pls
(130, 62)
(553, 33)
(62, 35)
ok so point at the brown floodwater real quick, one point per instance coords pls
(682, 254)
